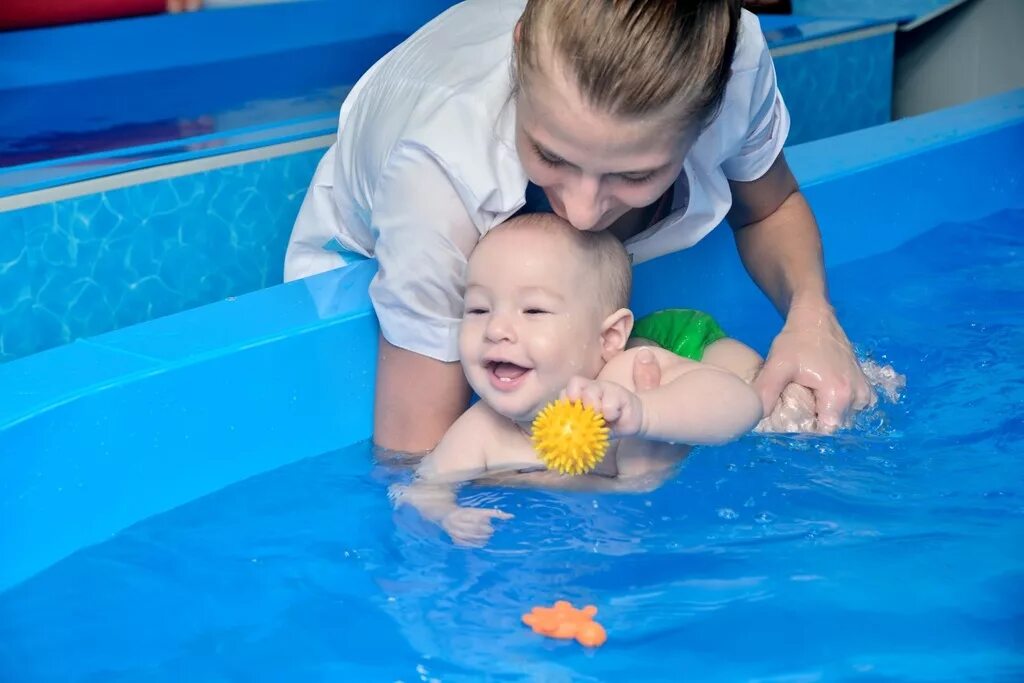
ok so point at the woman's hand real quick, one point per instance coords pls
(812, 350)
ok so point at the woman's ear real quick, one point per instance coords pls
(615, 333)
(517, 32)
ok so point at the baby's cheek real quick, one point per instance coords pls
(543, 346)
(467, 335)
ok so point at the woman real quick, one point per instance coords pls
(651, 118)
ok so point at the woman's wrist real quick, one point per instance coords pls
(810, 303)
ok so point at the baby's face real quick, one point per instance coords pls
(531, 322)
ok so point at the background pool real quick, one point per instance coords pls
(892, 553)
(151, 201)
(85, 265)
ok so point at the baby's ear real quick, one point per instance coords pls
(615, 333)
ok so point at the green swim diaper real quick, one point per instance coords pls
(683, 331)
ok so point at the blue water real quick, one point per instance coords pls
(891, 553)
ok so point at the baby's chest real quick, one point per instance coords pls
(511, 454)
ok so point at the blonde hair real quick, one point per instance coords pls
(602, 253)
(634, 58)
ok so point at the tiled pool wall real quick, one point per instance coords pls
(86, 265)
(837, 89)
(82, 266)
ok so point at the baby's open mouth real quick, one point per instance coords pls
(505, 372)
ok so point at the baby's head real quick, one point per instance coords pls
(544, 302)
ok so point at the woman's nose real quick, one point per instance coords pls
(582, 203)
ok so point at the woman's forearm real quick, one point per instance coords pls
(778, 238)
(417, 399)
(783, 254)
(780, 245)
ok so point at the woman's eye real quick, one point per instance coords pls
(547, 158)
(634, 179)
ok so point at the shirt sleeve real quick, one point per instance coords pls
(424, 237)
(768, 121)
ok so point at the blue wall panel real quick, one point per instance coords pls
(837, 89)
(885, 9)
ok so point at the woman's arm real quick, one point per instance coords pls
(424, 237)
(778, 238)
(780, 245)
(417, 399)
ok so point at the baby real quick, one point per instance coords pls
(546, 317)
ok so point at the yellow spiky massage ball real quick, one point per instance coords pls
(570, 437)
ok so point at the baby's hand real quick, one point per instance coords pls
(793, 412)
(472, 526)
(622, 409)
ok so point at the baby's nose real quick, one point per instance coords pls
(500, 328)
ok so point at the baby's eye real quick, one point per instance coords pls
(476, 310)
(535, 311)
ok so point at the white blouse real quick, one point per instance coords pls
(425, 163)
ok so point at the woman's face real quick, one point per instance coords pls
(594, 167)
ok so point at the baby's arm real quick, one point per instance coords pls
(459, 457)
(734, 356)
(793, 412)
(695, 403)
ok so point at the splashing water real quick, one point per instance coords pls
(884, 379)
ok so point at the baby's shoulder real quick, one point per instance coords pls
(480, 441)
(486, 424)
(505, 446)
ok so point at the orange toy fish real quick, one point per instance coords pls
(566, 622)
